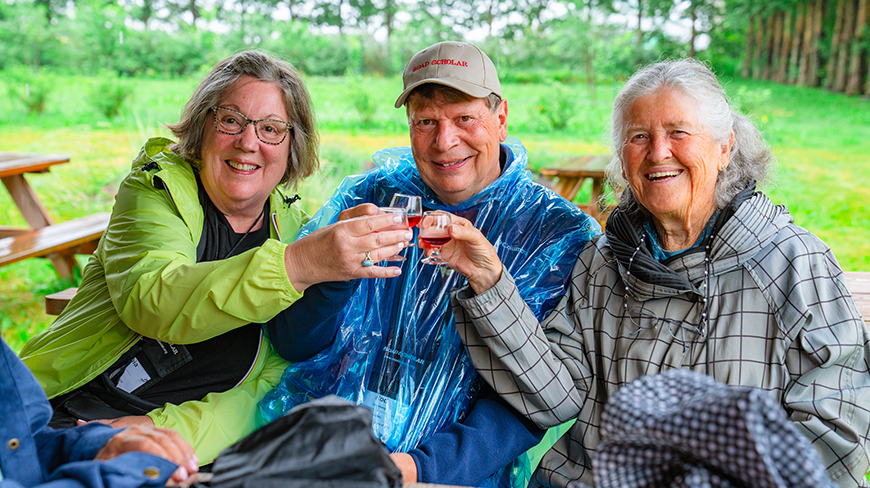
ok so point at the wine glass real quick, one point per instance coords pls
(399, 226)
(413, 208)
(433, 233)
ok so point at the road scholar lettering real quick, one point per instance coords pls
(452, 62)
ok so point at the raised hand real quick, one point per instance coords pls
(344, 250)
(470, 253)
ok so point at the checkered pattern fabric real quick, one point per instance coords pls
(681, 429)
(780, 318)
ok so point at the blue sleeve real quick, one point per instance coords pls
(130, 470)
(466, 453)
(310, 324)
(69, 445)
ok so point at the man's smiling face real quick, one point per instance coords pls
(456, 145)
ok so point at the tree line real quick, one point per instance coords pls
(816, 43)
(813, 43)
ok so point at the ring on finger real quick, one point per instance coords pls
(368, 260)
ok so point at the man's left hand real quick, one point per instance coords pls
(122, 422)
(165, 443)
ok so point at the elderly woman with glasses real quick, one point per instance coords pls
(695, 270)
(166, 327)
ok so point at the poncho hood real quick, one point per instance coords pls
(397, 166)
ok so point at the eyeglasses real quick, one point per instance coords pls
(231, 122)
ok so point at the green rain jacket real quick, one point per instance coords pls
(143, 280)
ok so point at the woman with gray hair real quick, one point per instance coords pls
(695, 270)
(166, 327)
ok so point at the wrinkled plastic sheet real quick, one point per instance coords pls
(398, 350)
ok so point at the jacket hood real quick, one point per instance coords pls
(743, 228)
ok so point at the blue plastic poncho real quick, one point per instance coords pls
(397, 349)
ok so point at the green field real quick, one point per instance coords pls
(820, 139)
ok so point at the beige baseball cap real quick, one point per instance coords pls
(458, 65)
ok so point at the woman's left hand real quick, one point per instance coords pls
(471, 254)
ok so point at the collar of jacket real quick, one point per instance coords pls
(743, 228)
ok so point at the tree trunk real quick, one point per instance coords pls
(747, 56)
(818, 17)
(853, 85)
(589, 58)
(867, 85)
(694, 32)
(194, 11)
(388, 18)
(776, 53)
(639, 32)
(768, 46)
(794, 62)
(806, 45)
(759, 46)
(831, 69)
(846, 31)
(786, 46)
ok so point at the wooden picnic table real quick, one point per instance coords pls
(43, 238)
(570, 175)
(13, 167)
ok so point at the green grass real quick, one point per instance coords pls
(819, 138)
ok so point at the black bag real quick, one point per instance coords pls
(324, 443)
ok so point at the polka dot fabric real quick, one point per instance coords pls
(683, 429)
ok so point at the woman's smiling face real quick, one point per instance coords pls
(240, 171)
(669, 158)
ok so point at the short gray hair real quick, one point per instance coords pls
(751, 157)
(303, 160)
(428, 92)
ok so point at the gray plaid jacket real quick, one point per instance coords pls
(780, 318)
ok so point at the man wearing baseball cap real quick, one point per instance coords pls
(392, 345)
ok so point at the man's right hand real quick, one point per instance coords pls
(165, 443)
(472, 255)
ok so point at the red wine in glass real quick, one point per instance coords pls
(413, 206)
(434, 232)
(414, 220)
(435, 241)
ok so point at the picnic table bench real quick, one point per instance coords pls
(43, 238)
(59, 241)
(570, 175)
(859, 285)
